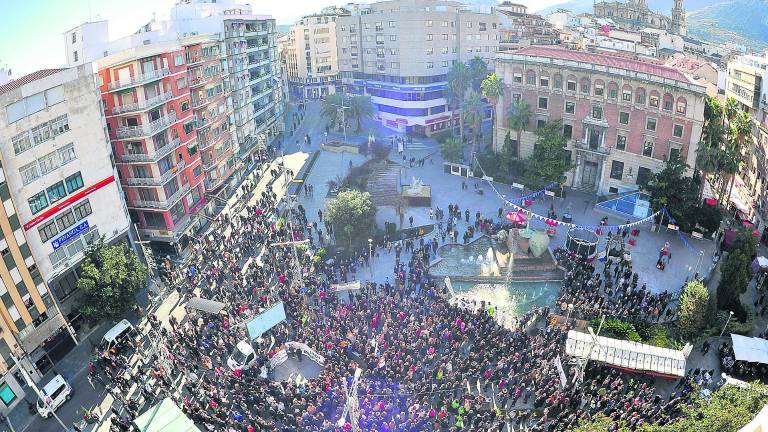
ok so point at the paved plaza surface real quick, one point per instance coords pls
(446, 189)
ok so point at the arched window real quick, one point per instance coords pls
(626, 93)
(681, 106)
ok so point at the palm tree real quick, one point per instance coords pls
(473, 109)
(492, 89)
(329, 108)
(740, 134)
(458, 81)
(360, 107)
(707, 162)
(478, 70)
(731, 109)
(518, 118)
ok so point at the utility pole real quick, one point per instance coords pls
(580, 378)
(45, 398)
(352, 407)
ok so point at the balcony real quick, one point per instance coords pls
(138, 79)
(126, 132)
(585, 146)
(205, 144)
(153, 156)
(193, 60)
(198, 81)
(156, 181)
(165, 204)
(143, 105)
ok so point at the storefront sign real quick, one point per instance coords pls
(70, 235)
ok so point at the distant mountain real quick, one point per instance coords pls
(740, 21)
(661, 6)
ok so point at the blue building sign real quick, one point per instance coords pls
(70, 235)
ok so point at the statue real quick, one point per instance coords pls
(416, 186)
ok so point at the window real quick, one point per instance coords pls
(677, 131)
(540, 123)
(558, 84)
(570, 86)
(185, 106)
(48, 163)
(597, 112)
(7, 395)
(530, 79)
(543, 103)
(67, 154)
(644, 175)
(585, 87)
(189, 127)
(181, 83)
(444, 50)
(621, 142)
(617, 170)
(56, 192)
(667, 105)
(681, 107)
(66, 220)
(21, 143)
(626, 96)
(74, 182)
(570, 107)
(47, 231)
(391, 24)
(430, 51)
(599, 90)
(74, 37)
(178, 60)
(38, 203)
(613, 93)
(430, 65)
(392, 38)
(567, 131)
(29, 173)
(674, 153)
(650, 124)
(654, 101)
(429, 37)
(75, 56)
(82, 209)
(544, 81)
(445, 63)
(624, 118)
(429, 23)
(517, 78)
(394, 65)
(648, 148)
(445, 36)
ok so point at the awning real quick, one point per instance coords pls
(205, 305)
(165, 417)
(626, 354)
(750, 349)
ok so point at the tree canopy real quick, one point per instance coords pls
(692, 312)
(735, 274)
(353, 213)
(550, 160)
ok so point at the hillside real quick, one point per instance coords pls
(662, 6)
(740, 21)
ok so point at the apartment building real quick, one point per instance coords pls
(203, 95)
(151, 124)
(746, 82)
(60, 172)
(518, 28)
(399, 52)
(623, 118)
(310, 56)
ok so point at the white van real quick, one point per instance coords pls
(55, 393)
(244, 357)
(121, 332)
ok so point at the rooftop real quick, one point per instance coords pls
(604, 60)
(26, 79)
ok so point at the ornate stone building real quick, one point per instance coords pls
(636, 14)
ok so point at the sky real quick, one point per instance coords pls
(41, 23)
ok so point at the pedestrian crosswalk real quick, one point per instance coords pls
(412, 146)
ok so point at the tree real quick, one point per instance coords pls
(549, 160)
(478, 70)
(508, 155)
(110, 278)
(735, 274)
(739, 137)
(473, 111)
(458, 81)
(329, 108)
(673, 189)
(692, 312)
(492, 88)
(355, 209)
(452, 150)
(518, 118)
(360, 107)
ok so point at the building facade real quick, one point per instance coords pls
(518, 28)
(399, 52)
(636, 14)
(746, 83)
(60, 171)
(310, 56)
(623, 118)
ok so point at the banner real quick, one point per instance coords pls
(349, 286)
(282, 356)
(561, 372)
(266, 320)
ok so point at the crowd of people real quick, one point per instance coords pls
(428, 363)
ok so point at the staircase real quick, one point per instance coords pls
(383, 184)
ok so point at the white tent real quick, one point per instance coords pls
(626, 354)
(165, 417)
(750, 349)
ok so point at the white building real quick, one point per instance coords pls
(60, 172)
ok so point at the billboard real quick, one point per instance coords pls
(266, 320)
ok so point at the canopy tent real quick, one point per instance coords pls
(205, 305)
(750, 349)
(165, 417)
(626, 354)
(760, 264)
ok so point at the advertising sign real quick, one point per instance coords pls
(70, 235)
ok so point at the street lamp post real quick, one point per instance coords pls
(568, 315)
(370, 256)
(45, 398)
(730, 315)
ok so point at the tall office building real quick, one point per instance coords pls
(399, 52)
(203, 96)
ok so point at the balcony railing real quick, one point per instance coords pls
(143, 105)
(138, 79)
(152, 156)
(165, 204)
(156, 181)
(205, 144)
(584, 145)
(148, 129)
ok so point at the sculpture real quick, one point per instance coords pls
(416, 186)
